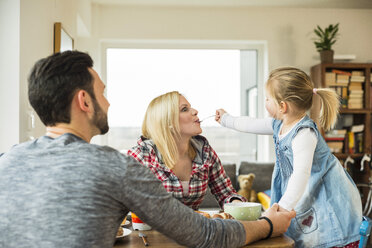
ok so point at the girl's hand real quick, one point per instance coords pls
(281, 209)
(280, 219)
(219, 114)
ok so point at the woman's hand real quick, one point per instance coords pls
(219, 114)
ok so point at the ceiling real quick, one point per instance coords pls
(344, 4)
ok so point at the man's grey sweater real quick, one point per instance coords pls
(65, 192)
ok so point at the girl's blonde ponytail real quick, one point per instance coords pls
(330, 104)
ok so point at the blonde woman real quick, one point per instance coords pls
(306, 177)
(175, 152)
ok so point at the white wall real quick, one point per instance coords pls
(37, 25)
(26, 28)
(288, 31)
(9, 73)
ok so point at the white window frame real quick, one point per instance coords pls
(262, 70)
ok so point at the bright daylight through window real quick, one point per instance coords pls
(209, 79)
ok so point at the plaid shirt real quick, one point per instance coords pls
(206, 171)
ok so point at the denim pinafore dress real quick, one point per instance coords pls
(330, 211)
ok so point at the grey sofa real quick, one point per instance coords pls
(263, 172)
(262, 182)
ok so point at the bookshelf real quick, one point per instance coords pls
(355, 112)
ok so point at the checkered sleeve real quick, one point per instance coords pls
(142, 155)
(147, 157)
(219, 183)
(137, 154)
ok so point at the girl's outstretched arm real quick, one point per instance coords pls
(244, 123)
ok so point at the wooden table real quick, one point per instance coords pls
(156, 239)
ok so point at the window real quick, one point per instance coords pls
(208, 78)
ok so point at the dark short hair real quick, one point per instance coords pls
(54, 80)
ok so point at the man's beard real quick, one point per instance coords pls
(100, 118)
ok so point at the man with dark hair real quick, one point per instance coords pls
(61, 191)
(66, 73)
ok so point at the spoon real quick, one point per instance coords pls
(143, 236)
(207, 118)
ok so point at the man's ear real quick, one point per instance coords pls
(84, 100)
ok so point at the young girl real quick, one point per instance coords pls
(306, 177)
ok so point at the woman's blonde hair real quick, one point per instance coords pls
(161, 125)
(292, 85)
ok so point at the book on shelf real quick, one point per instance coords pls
(357, 79)
(342, 80)
(340, 72)
(337, 78)
(355, 102)
(355, 105)
(357, 73)
(336, 133)
(327, 139)
(344, 97)
(355, 97)
(358, 139)
(355, 139)
(357, 76)
(357, 92)
(355, 86)
(357, 128)
(351, 143)
(354, 143)
(330, 79)
(335, 139)
(335, 146)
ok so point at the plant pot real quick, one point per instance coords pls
(326, 56)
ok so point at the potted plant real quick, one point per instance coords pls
(324, 41)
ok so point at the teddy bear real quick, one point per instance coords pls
(245, 183)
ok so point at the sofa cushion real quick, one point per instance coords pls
(230, 170)
(263, 172)
(209, 200)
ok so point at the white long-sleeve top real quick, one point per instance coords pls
(303, 147)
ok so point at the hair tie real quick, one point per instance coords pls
(314, 91)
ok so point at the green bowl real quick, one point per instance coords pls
(243, 210)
